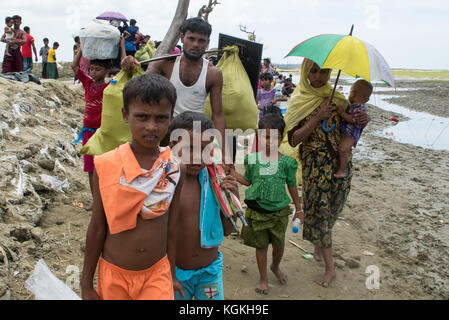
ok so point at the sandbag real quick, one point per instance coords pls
(113, 131)
(239, 106)
(100, 41)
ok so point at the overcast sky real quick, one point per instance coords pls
(409, 34)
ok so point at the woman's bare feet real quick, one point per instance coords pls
(282, 277)
(326, 278)
(262, 287)
(317, 255)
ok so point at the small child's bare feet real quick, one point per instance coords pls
(340, 174)
(282, 277)
(326, 278)
(262, 287)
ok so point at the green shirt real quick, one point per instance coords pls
(268, 180)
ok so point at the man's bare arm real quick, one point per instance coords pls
(35, 51)
(76, 61)
(156, 67)
(216, 104)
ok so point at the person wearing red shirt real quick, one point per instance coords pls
(94, 85)
(26, 51)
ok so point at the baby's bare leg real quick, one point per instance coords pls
(7, 50)
(346, 143)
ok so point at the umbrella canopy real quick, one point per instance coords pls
(110, 15)
(347, 53)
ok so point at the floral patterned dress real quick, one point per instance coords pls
(323, 195)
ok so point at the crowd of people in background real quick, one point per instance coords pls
(20, 46)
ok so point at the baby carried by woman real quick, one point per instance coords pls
(351, 131)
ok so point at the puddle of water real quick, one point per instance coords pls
(422, 129)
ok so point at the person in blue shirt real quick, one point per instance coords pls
(132, 37)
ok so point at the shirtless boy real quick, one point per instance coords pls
(136, 203)
(201, 226)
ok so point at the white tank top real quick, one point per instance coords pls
(189, 98)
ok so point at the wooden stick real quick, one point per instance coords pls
(173, 56)
(298, 246)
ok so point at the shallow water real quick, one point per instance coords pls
(422, 129)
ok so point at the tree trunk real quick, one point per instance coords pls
(172, 37)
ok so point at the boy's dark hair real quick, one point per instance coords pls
(149, 88)
(76, 39)
(102, 63)
(272, 121)
(266, 76)
(197, 25)
(56, 44)
(132, 21)
(365, 83)
(185, 121)
(17, 17)
(7, 19)
(45, 39)
(273, 110)
(26, 29)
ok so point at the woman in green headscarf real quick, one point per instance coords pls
(323, 195)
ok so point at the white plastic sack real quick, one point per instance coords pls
(100, 41)
(46, 286)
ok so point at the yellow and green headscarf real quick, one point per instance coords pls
(304, 101)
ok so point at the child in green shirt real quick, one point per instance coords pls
(266, 174)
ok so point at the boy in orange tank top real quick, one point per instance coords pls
(132, 233)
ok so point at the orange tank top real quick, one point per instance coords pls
(128, 190)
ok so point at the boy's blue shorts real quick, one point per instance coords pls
(203, 284)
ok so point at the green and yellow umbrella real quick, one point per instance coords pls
(346, 53)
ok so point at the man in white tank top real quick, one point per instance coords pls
(193, 77)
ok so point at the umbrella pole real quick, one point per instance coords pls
(339, 72)
(324, 123)
(335, 87)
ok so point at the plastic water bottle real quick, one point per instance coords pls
(278, 95)
(296, 225)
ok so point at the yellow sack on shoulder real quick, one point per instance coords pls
(113, 131)
(239, 106)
